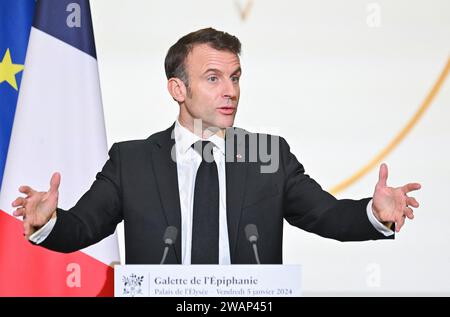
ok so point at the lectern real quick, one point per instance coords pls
(207, 280)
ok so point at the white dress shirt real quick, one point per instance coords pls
(188, 161)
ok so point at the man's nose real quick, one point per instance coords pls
(229, 90)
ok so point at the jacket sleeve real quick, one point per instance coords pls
(309, 207)
(95, 216)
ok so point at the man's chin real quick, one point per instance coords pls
(218, 124)
(227, 123)
(218, 127)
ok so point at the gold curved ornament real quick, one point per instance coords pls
(244, 11)
(399, 137)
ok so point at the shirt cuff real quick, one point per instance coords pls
(44, 232)
(375, 223)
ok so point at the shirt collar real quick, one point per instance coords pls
(185, 138)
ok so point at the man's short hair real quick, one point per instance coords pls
(177, 54)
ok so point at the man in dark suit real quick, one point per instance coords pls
(208, 179)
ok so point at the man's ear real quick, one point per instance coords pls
(177, 89)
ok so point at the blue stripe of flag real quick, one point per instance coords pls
(16, 17)
(67, 20)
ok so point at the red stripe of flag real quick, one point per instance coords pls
(50, 273)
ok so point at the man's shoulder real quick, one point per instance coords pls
(130, 143)
(240, 133)
(155, 138)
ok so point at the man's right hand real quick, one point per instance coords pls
(37, 208)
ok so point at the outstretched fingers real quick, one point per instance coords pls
(410, 187)
(26, 229)
(26, 190)
(54, 182)
(19, 201)
(399, 221)
(383, 175)
(408, 212)
(411, 201)
(19, 212)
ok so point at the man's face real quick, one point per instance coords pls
(213, 92)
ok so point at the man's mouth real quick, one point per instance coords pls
(226, 110)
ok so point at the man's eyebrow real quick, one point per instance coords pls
(238, 70)
(212, 70)
(215, 70)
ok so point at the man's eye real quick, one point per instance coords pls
(212, 79)
(235, 79)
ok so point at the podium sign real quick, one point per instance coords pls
(207, 280)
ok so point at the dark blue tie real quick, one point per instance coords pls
(205, 224)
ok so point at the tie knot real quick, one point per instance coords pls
(205, 149)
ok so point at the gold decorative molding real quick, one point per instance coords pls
(244, 11)
(399, 137)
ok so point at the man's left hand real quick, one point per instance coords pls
(392, 205)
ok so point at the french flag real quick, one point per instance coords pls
(57, 125)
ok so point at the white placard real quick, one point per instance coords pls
(207, 280)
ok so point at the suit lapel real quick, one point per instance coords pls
(165, 170)
(236, 175)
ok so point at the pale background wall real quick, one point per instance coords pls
(338, 80)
